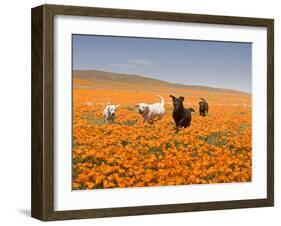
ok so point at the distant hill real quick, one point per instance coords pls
(127, 79)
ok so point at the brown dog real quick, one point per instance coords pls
(181, 115)
(203, 107)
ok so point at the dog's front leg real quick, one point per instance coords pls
(177, 128)
(145, 118)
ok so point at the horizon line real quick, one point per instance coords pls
(146, 76)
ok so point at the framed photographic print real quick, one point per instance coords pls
(141, 112)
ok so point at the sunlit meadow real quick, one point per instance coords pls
(130, 153)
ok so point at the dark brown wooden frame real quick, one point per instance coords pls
(42, 201)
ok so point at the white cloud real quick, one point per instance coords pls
(125, 65)
(133, 63)
(141, 62)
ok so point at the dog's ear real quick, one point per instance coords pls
(181, 98)
(137, 105)
(173, 97)
(146, 108)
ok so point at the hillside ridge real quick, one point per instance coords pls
(97, 75)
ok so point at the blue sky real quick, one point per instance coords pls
(206, 63)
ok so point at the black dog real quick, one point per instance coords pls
(181, 115)
(203, 107)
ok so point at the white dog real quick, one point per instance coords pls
(109, 112)
(151, 111)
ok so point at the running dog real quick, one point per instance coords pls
(181, 115)
(109, 112)
(203, 107)
(150, 112)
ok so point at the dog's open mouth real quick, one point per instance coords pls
(112, 114)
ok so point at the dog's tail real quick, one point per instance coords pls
(191, 109)
(161, 100)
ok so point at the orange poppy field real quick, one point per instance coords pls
(128, 152)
